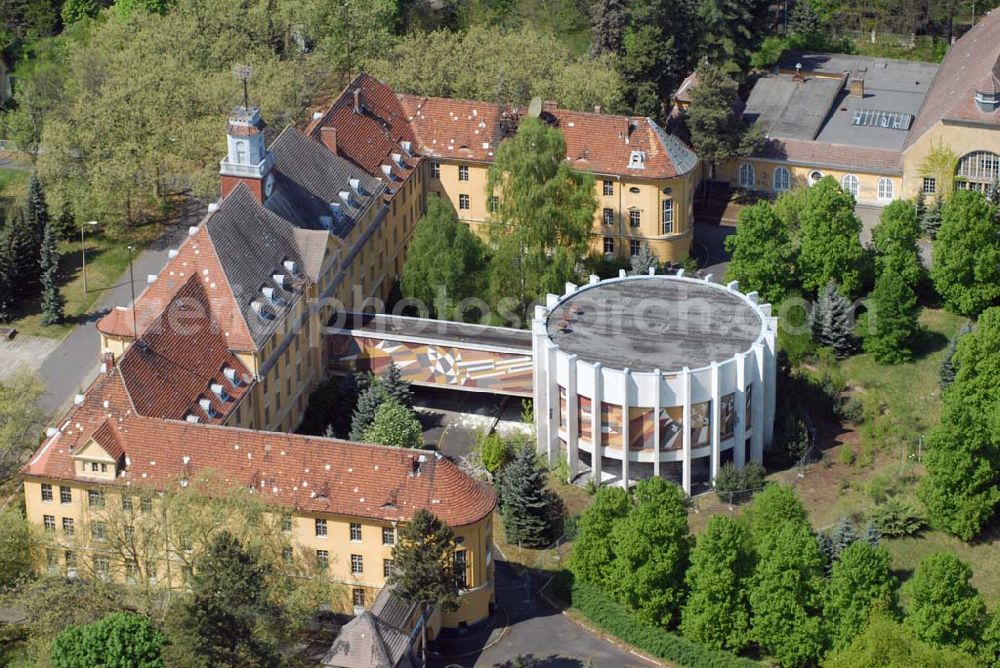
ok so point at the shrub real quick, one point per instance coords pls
(852, 410)
(733, 485)
(845, 455)
(611, 617)
(495, 452)
(896, 518)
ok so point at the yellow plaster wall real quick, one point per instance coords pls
(961, 139)
(764, 178)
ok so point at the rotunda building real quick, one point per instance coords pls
(659, 375)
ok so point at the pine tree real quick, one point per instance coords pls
(644, 261)
(949, 366)
(422, 565)
(527, 501)
(36, 211)
(931, 220)
(892, 326)
(608, 26)
(7, 268)
(24, 254)
(871, 534)
(370, 398)
(52, 299)
(394, 386)
(832, 322)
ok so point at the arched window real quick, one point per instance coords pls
(241, 153)
(978, 171)
(782, 179)
(746, 175)
(850, 184)
(814, 177)
(885, 189)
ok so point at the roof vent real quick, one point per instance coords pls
(193, 230)
(172, 253)
(317, 115)
(192, 418)
(213, 207)
(78, 399)
(150, 278)
(637, 160)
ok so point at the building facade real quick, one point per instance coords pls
(688, 385)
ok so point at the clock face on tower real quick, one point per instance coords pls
(268, 185)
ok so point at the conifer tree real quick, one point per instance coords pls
(930, 222)
(52, 299)
(949, 366)
(394, 386)
(395, 425)
(36, 210)
(24, 254)
(832, 322)
(526, 506)
(7, 267)
(892, 326)
(607, 27)
(645, 260)
(370, 398)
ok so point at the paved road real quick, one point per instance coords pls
(74, 363)
(537, 631)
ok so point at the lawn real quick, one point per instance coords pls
(981, 556)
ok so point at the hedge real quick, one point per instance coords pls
(611, 617)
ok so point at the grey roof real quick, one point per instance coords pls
(443, 331)
(309, 178)
(684, 158)
(878, 73)
(656, 322)
(252, 244)
(791, 108)
(376, 638)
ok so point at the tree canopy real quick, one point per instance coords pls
(944, 609)
(895, 241)
(120, 640)
(395, 424)
(830, 249)
(593, 550)
(885, 643)
(966, 269)
(718, 130)
(762, 257)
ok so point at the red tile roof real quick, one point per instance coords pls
(839, 156)
(310, 474)
(181, 355)
(370, 136)
(196, 256)
(458, 129)
(972, 63)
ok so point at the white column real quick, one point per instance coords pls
(626, 377)
(552, 402)
(573, 419)
(657, 401)
(757, 438)
(715, 415)
(739, 434)
(540, 377)
(770, 378)
(597, 437)
(686, 431)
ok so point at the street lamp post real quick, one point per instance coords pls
(83, 252)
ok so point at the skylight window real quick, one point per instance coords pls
(892, 120)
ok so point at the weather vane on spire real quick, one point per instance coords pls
(243, 73)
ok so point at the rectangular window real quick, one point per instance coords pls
(286, 523)
(287, 556)
(930, 185)
(65, 495)
(634, 218)
(633, 247)
(388, 536)
(146, 505)
(355, 532)
(320, 527)
(46, 492)
(463, 202)
(668, 216)
(68, 528)
(50, 522)
(494, 203)
(386, 567)
(95, 499)
(151, 572)
(609, 245)
(102, 568)
(358, 597)
(126, 503)
(93, 467)
(609, 216)
(357, 564)
(322, 559)
(98, 530)
(461, 568)
(131, 571)
(463, 172)
(609, 188)
(70, 558)
(435, 170)
(52, 561)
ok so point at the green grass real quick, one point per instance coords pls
(981, 556)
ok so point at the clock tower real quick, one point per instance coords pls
(248, 160)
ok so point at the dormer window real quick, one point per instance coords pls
(398, 159)
(289, 265)
(279, 279)
(192, 418)
(356, 187)
(230, 374)
(637, 160)
(219, 391)
(407, 147)
(206, 405)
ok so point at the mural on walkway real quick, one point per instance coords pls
(430, 364)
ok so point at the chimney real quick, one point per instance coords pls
(357, 100)
(857, 87)
(550, 105)
(597, 108)
(328, 136)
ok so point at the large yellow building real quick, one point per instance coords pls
(884, 129)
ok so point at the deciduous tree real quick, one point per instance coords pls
(542, 219)
(944, 608)
(21, 419)
(895, 241)
(593, 550)
(892, 326)
(395, 424)
(120, 640)
(762, 257)
(717, 612)
(15, 546)
(770, 508)
(830, 248)
(610, 18)
(651, 546)
(966, 269)
(860, 582)
(885, 643)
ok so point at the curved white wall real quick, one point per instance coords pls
(568, 385)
